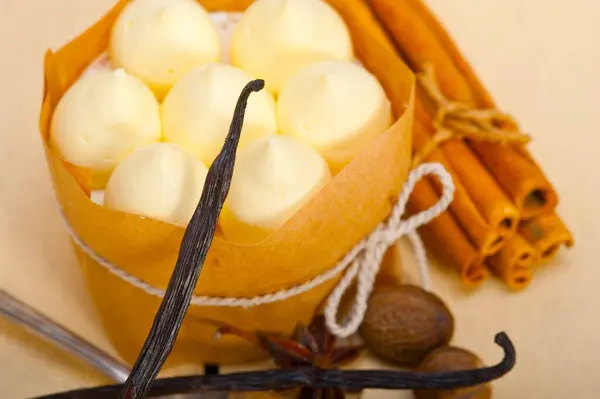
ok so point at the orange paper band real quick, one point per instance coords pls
(311, 242)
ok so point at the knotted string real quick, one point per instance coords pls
(366, 264)
(456, 120)
(362, 262)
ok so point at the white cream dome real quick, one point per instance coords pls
(273, 178)
(161, 181)
(102, 118)
(337, 107)
(276, 38)
(198, 110)
(159, 41)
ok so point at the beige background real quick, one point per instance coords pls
(538, 57)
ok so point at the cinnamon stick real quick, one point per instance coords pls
(489, 198)
(480, 188)
(546, 234)
(446, 240)
(485, 237)
(513, 264)
(522, 179)
(421, 40)
(488, 216)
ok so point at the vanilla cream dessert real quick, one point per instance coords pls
(197, 112)
(159, 41)
(336, 107)
(161, 181)
(102, 118)
(276, 38)
(273, 178)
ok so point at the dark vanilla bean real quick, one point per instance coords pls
(283, 379)
(192, 253)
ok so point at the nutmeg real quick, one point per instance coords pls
(449, 358)
(403, 324)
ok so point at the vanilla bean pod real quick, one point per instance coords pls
(282, 379)
(192, 253)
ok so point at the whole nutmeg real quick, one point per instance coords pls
(403, 324)
(449, 358)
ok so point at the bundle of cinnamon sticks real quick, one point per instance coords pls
(503, 216)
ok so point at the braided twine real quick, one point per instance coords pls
(456, 120)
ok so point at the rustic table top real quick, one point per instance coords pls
(539, 63)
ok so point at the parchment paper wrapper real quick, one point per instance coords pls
(312, 241)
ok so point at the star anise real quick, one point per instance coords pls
(308, 346)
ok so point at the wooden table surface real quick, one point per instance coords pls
(540, 60)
